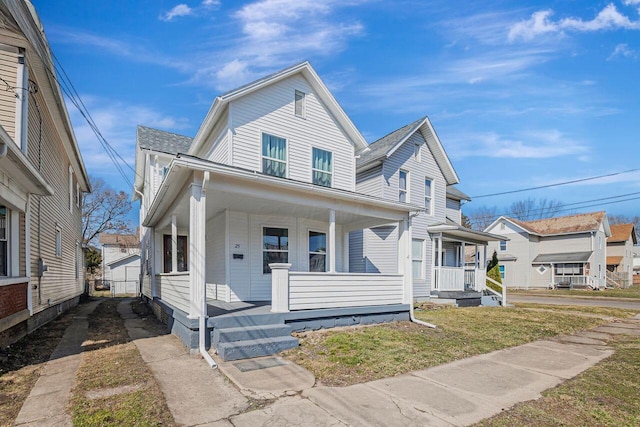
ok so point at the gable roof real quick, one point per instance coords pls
(159, 140)
(455, 194)
(155, 140)
(569, 224)
(622, 232)
(383, 148)
(129, 240)
(315, 82)
(119, 260)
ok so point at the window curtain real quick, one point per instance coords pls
(274, 148)
(322, 162)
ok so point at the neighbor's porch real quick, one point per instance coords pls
(450, 270)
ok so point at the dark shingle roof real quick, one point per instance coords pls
(454, 193)
(159, 140)
(378, 149)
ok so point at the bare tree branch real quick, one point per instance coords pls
(104, 210)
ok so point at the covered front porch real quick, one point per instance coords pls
(231, 236)
(565, 270)
(451, 271)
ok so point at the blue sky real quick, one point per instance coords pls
(520, 93)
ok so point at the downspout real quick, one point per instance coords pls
(411, 308)
(202, 326)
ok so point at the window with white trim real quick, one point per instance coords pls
(417, 268)
(299, 103)
(428, 196)
(317, 251)
(77, 194)
(502, 271)
(58, 241)
(403, 184)
(275, 247)
(274, 155)
(569, 269)
(70, 189)
(503, 245)
(4, 241)
(77, 260)
(417, 152)
(322, 167)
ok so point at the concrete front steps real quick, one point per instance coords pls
(468, 298)
(244, 337)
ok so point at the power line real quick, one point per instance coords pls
(556, 184)
(565, 208)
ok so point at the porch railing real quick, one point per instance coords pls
(292, 291)
(459, 279)
(572, 281)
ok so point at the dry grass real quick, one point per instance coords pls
(360, 354)
(596, 311)
(22, 362)
(112, 367)
(607, 394)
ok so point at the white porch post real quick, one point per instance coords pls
(345, 251)
(463, 256)
(476, 256)
(280, 287)
(404, 258)
(332, 241)
(197, 254)
(174, 243)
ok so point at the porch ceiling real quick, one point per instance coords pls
(244, 191)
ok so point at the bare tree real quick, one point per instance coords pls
(532, 209)
(103, 210)
(482, 217)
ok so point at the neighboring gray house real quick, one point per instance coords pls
(620, 255)
(121, 262)
(256, 209)
(547, 253)
(411, 165)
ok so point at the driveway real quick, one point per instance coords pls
(625, 303)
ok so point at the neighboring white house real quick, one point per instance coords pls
(121, 262)
(42, 181)
(259, 207)
(411, 165)
(620, 254)
(553, 252)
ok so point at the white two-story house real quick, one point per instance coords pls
(567, 251)
(620, 255)
(410, 165)
(258, 207)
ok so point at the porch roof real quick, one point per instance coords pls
(455, 231)
(575, 257)
(614, 260)
(250, 191)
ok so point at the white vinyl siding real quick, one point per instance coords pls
(453, 210)
(8, 72)
(370, 181)
(269, 110)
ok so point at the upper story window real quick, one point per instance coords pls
(78, 196)
(428, 196)
(70, 189)
(322, 167)
(58, 241)
(274, 155)
(299, 104)
(417, 152)
(599, 242)
(403, 184)
(503, 245)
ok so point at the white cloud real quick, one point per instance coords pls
(540, 23)
(623, 50)
(276, 33)
(177, 11)
(211, 3)
(117, 122)
(528, 145)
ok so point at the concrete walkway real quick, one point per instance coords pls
(273, 391)
(48, 400)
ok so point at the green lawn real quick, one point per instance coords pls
(355, 355)
(632, 292)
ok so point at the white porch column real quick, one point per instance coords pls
(476, 256)
(174, 243)
(332, 241)
(280, 287)
(345, 251)
(197, 249)
(463, 256)
(404, 258)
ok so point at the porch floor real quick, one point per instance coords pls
(216, 308)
